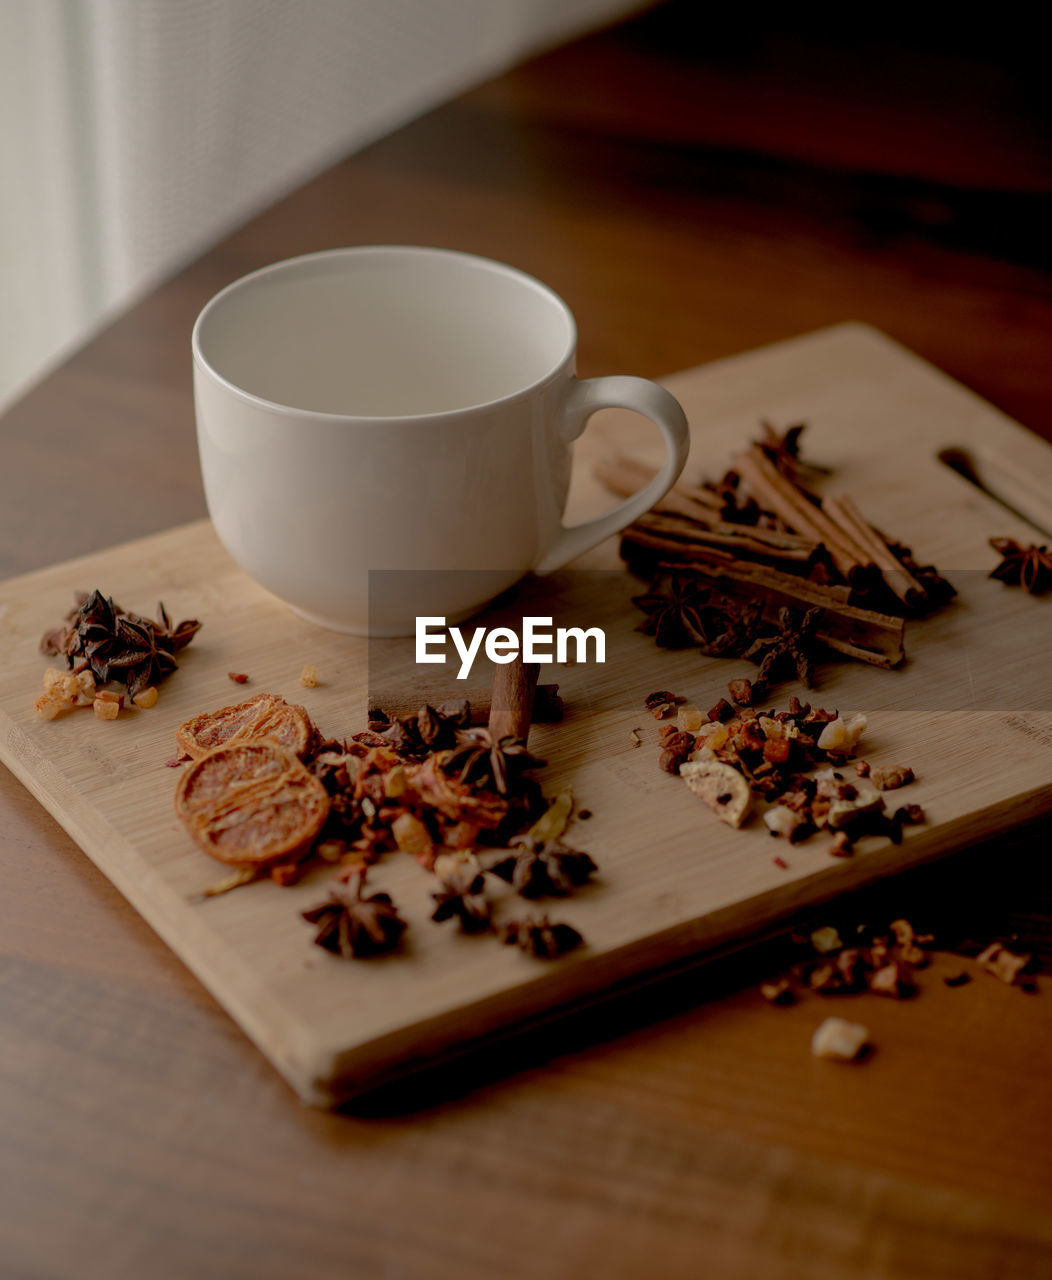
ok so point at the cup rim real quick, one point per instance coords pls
(202, 362)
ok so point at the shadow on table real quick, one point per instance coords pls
(1000, 890)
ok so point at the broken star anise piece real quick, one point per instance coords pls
(1026, 567)
(480, 762)
(782, 449)
(353, 926)
(173, 638)
(537, 869)
(538, 936)
(790, 648)
(461, 896)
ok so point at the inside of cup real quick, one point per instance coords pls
(385, 332)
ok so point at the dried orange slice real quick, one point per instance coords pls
(265, 716)
(251, 804)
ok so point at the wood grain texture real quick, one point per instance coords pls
(692, 197)
(330, 1027)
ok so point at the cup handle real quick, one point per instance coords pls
(619, 392)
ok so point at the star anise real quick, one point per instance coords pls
(538, 869)
(732, 629)
(461, 896)
(430, 729)
(791, 647)
(351, 925)
(478, 761)
(674, 607)
(1027, 567)
(136, 656)
(538, 936)
(117, 645)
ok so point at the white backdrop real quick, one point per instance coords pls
(134, 133)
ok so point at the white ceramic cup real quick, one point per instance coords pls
(392, 408)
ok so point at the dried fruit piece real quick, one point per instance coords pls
(411, 836)
(146, 698)
(251, 804)
(659, 704)
(552, 822)
(842, 736)
(891, 777)
(825, 940)
(777, 992)
(893, 979)
(839, 1040)
(689, 718)
(848, 801)
(264, 716)
(309, 677)
(741, 692)
(48, 706)
(783, 821)
(721, 787)
(1002, 963)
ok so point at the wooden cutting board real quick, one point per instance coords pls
(970, 713)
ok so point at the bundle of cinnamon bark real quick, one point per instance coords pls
(763, 540)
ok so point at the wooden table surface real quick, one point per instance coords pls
(693, 191)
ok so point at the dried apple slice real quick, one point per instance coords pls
(721, 786)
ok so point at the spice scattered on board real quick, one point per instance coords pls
(465, 806)
(795, 762)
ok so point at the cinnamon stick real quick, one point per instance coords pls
(739, 538)
(777, 494)
(514, 686)
(863, 634)
(847, 516)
